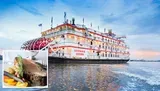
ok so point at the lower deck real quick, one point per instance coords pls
(91, 61)
(74, 52)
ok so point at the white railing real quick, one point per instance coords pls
(78, 33)
(58, 53)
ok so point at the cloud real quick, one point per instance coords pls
(2, 34)
(142, 15)
(9, 43)
(137, 19)
(111, 18)
(146, 54)
(0, 51)
(30, 9)
(22, 31)
(143, 45)
(144, 41)
(51, 1)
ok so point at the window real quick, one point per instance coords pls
(106, 55)
(102, 54)
(91, 42)
(72, 36)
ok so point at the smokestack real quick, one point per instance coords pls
(110, 32)
(73, 21)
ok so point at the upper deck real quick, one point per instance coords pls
(78, 31)
(81, 29)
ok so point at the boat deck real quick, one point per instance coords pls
(91, 61)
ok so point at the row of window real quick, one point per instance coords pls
(103, 39)
(110, 55)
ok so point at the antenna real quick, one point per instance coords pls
(91, 24)
(83, 21)
(104, 30)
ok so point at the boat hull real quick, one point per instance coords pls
(91, 61)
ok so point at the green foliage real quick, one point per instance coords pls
(20, 64)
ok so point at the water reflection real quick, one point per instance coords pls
(82, 77)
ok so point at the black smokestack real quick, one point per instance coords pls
(73, 21)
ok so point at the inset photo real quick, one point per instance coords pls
(25, 69)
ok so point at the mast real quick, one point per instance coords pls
(51, 22)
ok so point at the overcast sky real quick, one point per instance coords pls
(139, 20)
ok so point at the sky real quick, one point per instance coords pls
(139, 20)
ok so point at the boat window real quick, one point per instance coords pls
(98, 53)
(106, 55)
(102, 54)
(91, 42)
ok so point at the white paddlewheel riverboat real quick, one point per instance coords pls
(73, 42)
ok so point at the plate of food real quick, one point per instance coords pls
(21, 71)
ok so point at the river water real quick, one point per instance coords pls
(133, 76)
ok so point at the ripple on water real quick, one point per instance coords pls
(152, 80)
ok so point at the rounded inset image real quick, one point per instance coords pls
(25, 69)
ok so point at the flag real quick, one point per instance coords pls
(40, 25)
(64, 14)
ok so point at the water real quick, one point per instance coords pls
(134, 76)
